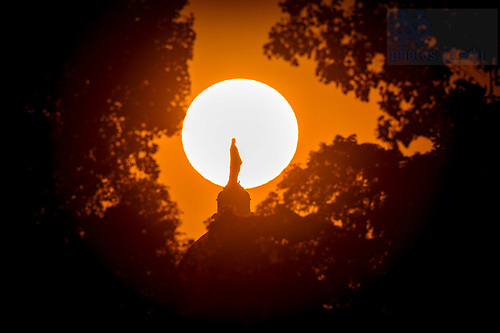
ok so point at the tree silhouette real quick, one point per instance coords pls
(343, 182)
(124, 88)
(137, 239)
(348, 44)
(363, 188)
(424, 210)
(366, 204)
(114, 81)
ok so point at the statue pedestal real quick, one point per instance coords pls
(234, 197)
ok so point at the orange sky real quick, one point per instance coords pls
(229, 44)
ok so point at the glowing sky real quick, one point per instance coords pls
(229, 44)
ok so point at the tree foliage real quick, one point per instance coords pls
(343, 182)
(364, 194)
(423, 208)
(122, 86)
(347, 42)
(125, 87)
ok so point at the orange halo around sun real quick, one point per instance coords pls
(260, 119)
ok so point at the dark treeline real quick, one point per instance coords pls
(101, 80)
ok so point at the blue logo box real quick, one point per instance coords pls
(442, 36)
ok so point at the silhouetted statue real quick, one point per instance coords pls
(234, 197)
(235, 165)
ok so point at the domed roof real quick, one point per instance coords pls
(234, 198)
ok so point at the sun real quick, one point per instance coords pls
(258, 116)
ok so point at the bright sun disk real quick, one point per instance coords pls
(260, 119)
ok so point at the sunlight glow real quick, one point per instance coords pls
(260, 119)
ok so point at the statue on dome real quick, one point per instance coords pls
(235, 165)
(233, 196)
